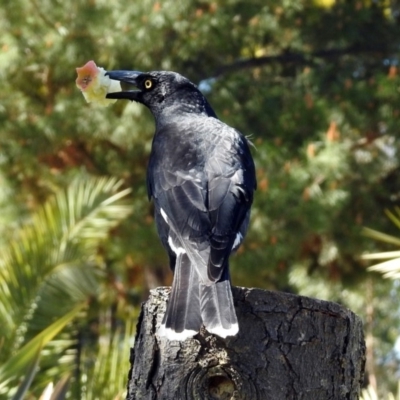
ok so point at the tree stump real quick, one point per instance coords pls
(288, 347)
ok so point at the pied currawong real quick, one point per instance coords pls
(201, 176)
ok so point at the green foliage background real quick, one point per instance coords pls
(314, 83)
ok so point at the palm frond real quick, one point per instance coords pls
(393, 217)
(16, 365)
(389, 269)
(57, 392)
(105, 380)
(49, 267)
(369, 394)
(381, 256)
(383, 237)
(50, 250)
(28, 378)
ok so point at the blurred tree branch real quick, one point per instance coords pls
(289, 56)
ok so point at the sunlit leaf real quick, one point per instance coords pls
(389, 269)
(369, 394)
(16, 365)
(382, 255)
(60, 390)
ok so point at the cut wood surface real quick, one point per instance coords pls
(288, 347)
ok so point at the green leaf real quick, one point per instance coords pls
(16, 365)
(394, 218)
(29, 375)
(382, 255)
(383, 237)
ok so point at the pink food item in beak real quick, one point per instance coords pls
(94, 84)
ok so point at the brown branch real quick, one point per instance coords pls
(293, 57)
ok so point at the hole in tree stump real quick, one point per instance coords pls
(221, 387)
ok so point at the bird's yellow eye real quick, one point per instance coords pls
(148, 83)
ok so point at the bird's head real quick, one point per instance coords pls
(159, 90)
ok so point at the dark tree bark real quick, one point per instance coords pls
(288, 347)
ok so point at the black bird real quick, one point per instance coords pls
(201, 176)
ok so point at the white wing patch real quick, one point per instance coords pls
(238, 240)
(164, 215)
(175, 248)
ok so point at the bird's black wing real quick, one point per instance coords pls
(177, 183)
(231, 177)
(231, 183)
(201, 176)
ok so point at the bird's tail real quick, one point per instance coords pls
(192, 303)
(217, 309)
(183, 317)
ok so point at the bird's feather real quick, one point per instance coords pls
(217, 311)
(182, 318)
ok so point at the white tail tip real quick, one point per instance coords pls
(172, 335)
(222, 332)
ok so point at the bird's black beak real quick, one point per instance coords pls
(127, 77)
